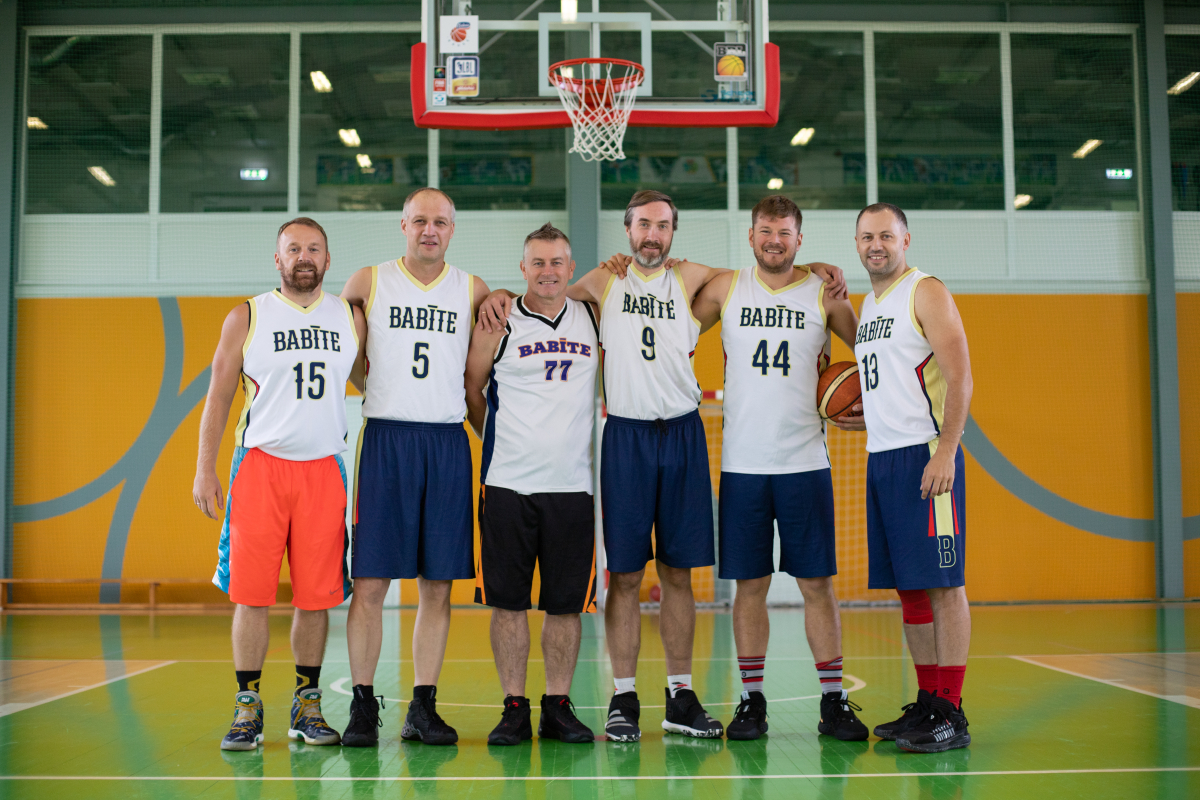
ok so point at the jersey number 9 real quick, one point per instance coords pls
(648, 340)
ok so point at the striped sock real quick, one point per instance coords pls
(752, 673)
(830, 673)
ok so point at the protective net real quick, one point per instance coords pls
(599, 105)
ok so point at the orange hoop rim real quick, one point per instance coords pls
(586, 83)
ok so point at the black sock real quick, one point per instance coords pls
(307, 677)
(364, 691)
(423, 692)
(248, 679)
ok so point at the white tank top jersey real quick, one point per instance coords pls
(775, 344)
(417, 338)
(295, 364)
(649, 338)
(904, 393)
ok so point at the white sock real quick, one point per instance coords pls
(624, 685)
(677, 682)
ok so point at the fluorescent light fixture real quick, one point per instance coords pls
(349, 137)
(1087, 147)
(1184, 83)
(101, 174)
(803, 136)
(775, 183)
(36, 124)
(320, 82)
(364, 160)
(569, 9)
(1022, 200)
(567, 72)
(1119, 174)
(254, 174)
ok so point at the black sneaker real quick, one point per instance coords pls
(514, 726)
(945, 728)
(685, 715)
(559, 721)
(624, 710)
(838, 719)
(913, 713)
(363, 730)
(423, 724)
(750, 719)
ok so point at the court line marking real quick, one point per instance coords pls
(339, 686)
(12, 708)
(547, 778)
(1182, 699)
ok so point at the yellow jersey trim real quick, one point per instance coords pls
(470, 297)
(729, 296)
(441, 276)
(687, 300)
(912, 306)
(371, 296)
(633, 270)
(250, 331)
(299, 307)
(787, 288)
(353, 327)
(892, 288)
(607, 288)
(821, 304)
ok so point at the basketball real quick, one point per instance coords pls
(731, 65)
(459, 34)
(838, 389)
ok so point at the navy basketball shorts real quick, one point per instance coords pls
(914, 543)
(802, 503)
(654, 475)
(412, 502)
(554, 530)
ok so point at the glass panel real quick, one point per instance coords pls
(88, 143)
(1183, 78)
(1073, 122)
(687, 163)
(816, 155)
(225, 123)
(358, 82)
(504, 170)
(939, 120)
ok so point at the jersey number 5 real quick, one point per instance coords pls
(419, 357)
(314, 378)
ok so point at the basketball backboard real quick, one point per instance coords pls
(707, 64)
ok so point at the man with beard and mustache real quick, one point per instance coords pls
(654, 466)
(774, 463)
(916, 382)
(292, 349)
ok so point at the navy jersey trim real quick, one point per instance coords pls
(553, 323)
(929, 402)
(592, 316)
(503, 343)
(489, 426)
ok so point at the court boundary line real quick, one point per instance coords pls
(1181, 699)
(8, 709)
(609, 778)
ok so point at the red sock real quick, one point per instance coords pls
(950, 681)
(927, 677)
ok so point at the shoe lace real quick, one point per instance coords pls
(428, 709)
(310, 711)
(368, 716)
(847, 707)
(568, 705)
(245, 718)
(511, 716)
(746, 709)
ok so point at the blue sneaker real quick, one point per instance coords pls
(307, 722)
(246, 733)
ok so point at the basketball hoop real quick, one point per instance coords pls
(599, 105)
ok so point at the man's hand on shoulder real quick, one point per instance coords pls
(494, 311)
(618, 264)
(834, 277)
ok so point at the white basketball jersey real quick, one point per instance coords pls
(775, 342)
(649, 338)
(417, 338)
(295, 364)
(537, 436)
(904, 393)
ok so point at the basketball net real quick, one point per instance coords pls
(598, 106)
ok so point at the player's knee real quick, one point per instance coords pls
(435, 592)
(624, 582)
(754, 588)
(817, 590)
(915, 606)
(369, 591)
(675, 578)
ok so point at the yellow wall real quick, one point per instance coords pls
(1187, 321)
(1060, 388)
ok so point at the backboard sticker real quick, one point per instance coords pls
(731, 61)
(459, 34)
(439, 98)
(464, 76)
(439, 79)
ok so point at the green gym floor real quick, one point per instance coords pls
(1088, 701)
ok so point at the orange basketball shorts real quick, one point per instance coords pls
(276, 505)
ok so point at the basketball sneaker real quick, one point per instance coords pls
(423, 722)
(945, 728)
(913, 713)
(246, 732)
(558, 721)
(624, 711)
(839, 720)
(750, 718)
(685, 715)
(514, 726)
(307, 722)
(363, 730)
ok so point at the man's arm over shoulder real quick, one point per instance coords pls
(697, 276)
(590, 288)
(840, 317)
(710, 300)
(226, 373)
(479, 293)
(357, 291)
(480, 357)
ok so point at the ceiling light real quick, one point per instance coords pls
(101, 174)
(254, 174)
(775, 183)
(349, 137)
(35, 123)
(803, 136)
(320, 82)
(1087, 147)
(1120, 174)
(364, 160)
(1184, 83)
(1022, 200)
(569, 9)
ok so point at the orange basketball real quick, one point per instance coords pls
(838, 389)
(731, 65)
